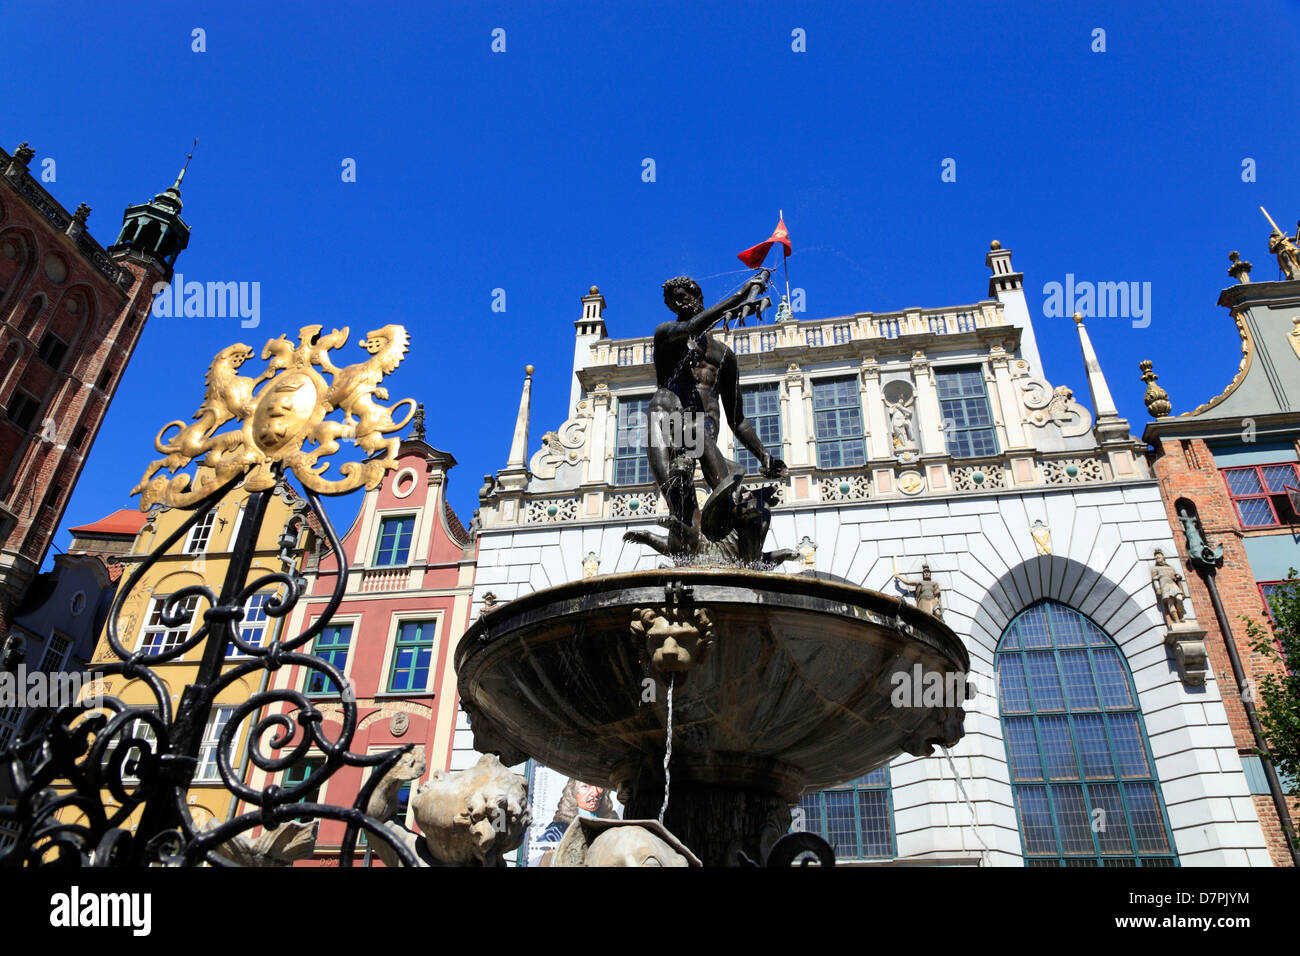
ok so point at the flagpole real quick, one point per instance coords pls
(785, 263)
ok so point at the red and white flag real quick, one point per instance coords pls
(754, 256)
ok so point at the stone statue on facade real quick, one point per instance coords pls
(1284, 247)
(697, 384)
(1168, 584)
(900, 423)
(1199, 551)
(925, 590)
(475, 816)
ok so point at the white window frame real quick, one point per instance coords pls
(63, 657)
(137, 728)
(201, 534)
(206, 770)
(267, 622)
(147, 629)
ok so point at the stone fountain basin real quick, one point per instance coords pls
(797, 684)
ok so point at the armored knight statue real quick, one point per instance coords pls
(926, 591)
(1168, 584)
(698, 383)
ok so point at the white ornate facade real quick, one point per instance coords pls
(928, 435)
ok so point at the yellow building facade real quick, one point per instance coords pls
(200, 557)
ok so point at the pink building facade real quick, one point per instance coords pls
(407, 602)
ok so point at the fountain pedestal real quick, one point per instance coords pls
(789, 688)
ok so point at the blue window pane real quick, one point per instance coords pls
(1036, 820)
(1073, 819)
(841, 827)
(1277, 477)
(1012, 689)
(1109, 824)
(964, 408)
(1094, 752)
(1115, 818)
(631, 438)
(1044, 683)
(412, 657)
(873, 814)
(1130, 753)
(1255, 512)
(1148, 826)
(332, 646)
(1032, 627)
(762, 407)
(1058, 748)
(1022, 747)
(1111, 678)
(1077, 673)
(837, 423)
(395, 540)
(1244, 481)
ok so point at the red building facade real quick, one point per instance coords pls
(407, 601)
(71, 314)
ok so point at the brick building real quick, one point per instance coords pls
(71, 313)
(1224, 469)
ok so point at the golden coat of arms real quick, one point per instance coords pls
(287, 412)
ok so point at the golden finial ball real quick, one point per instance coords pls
(995, 245)
(1078, 318)
(528, 370)
(595, 290)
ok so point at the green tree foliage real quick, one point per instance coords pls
(1278, 697)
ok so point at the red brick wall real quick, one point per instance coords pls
(1186, 469)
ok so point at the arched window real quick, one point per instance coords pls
(1081, 769)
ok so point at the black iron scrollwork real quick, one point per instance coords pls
(82, 777)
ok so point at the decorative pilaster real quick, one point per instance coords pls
(1012, 416)
(798, 449)
(929, 422)
(597, 452)
(878, 443)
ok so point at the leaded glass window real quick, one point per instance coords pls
(1081, 770)
(762, 406)
(856, 819)
(837, 422)
(631, 466)
(964, 409)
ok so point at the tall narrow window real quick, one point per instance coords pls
(856, 819)
(631, 467)
(964, 409)
(837, 421)
(252, 630)
(207, 769)
(298, 773)
(57, 651)
(394, 541)
(200, 534)
(1082, 774)
(23, 409)
(52, 350)
(331, 646)
(412, 657)
(762, 406)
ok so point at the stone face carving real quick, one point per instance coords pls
(926, 591)
(621, 843)
(675, 638)
(475, 816)
(1168, 584)
(278, 847)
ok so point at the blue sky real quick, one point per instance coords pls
(522, 171)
